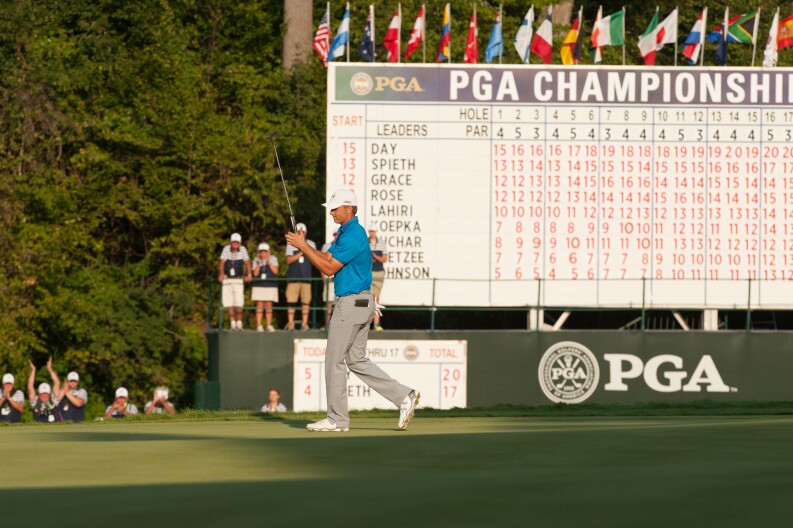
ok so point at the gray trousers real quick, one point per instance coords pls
(347, 335)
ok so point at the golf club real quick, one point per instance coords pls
(270, 136)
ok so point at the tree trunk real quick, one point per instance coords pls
(563, 13)
(298, 35)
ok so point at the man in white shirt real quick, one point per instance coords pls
(235, 267)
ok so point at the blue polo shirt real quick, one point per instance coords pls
(352, 249)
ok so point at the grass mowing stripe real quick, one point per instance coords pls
(725, 471)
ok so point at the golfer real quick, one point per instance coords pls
(349, 258)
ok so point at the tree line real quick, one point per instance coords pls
(133, 143)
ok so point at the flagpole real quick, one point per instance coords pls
(327, 38)
(623, 35)
(348, 34)
(501, 18)
(702, 38)
(450, 33)
(754, 33)
(399, 33)
(423, 33)
(374, 40)
(528, 55)
(676, 28)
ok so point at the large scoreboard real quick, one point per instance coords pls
(570, 186)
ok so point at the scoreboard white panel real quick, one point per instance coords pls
(437, 369)
(570, 186)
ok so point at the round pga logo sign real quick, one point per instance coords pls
(361, 83)
(568, 372)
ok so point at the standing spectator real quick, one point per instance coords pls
(71, 399)
(121, 408)
(379, 257)
(44, 403)
(274, 404)
(159, 403)
(298, 283)
(265, 289)
(235, 266)
(12, 402)
(328, 293)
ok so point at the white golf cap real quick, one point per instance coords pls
(373, 225)
(8, 378)
(236, 237)
(341, 197)
(121, 392)
(264, 246)
(73, 376)
(301, 227)
(44, 388)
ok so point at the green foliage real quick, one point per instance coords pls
(132, 144)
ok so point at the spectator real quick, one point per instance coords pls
(235, 266)
(44, 403)
(121, 408)
(379, 257)
(298, 281)
(274, 404)
(328, 295)
(12, 402)
(159, 403)
(71, 398)
(265, 289)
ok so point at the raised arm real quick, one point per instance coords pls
(56, 382)
(324, 262)
(31, 381)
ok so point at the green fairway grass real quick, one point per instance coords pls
(246, 469)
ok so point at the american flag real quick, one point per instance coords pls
(322, 39)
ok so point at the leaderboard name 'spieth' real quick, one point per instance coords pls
(599, 186)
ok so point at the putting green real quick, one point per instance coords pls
(627, 471)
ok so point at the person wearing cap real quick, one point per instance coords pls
(328, 292)
(121, 408)
(379, 257)
(71, 399)
(350, 260)
(235, 269)
(159, 403)
(12, 402)
(265, 289)
(44, 403)
(298, 277)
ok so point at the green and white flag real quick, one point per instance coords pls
(610, 30)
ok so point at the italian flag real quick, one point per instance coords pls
(656, 35)
(609, 31)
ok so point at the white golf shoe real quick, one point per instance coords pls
(326, 426)
(408, 408)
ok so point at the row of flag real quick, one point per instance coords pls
(606, 31)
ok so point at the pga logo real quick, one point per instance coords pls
(569, 373)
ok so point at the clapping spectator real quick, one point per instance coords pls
(12, 401)
(71, 398)
(121, 408)
(44, 403)
(379, 258)
(159, 403)
(274, 404)
(265, 290)
(235, 268)
(298, 287)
